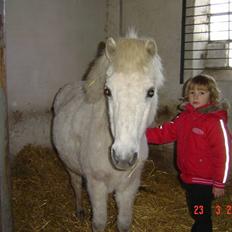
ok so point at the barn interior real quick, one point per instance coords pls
(50, 43)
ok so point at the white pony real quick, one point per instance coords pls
(99, 125)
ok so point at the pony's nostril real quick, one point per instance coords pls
(114, 157)
(133, 159)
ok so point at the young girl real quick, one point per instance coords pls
(203, 147)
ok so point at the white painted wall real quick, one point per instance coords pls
(49, 43)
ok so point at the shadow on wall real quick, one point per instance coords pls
(164, 156)
(100, 50)
(34, 127)
(29, 128)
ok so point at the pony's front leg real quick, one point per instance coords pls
(98, 197)
(125, 201)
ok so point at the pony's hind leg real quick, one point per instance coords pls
(98, 196)
(76, 181)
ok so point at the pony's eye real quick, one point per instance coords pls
(107, 92)
(150, 92)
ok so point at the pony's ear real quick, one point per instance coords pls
(151, 47)
(110, 47)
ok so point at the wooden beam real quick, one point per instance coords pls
(5, 186)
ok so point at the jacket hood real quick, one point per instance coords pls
(219, 109)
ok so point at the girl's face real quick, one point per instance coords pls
(199, 96)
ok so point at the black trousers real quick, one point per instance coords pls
(199, 199)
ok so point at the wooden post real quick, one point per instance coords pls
(5, 206)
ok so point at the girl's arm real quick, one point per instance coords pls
(166, 133)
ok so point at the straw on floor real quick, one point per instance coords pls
(43, 200)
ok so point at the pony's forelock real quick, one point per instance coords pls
(132, 33)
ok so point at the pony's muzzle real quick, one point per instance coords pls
(123, 163)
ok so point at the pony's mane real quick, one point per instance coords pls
(95, 80)
(130, 56)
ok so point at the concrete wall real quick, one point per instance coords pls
(49, 43)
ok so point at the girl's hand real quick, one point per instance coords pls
(218, 192)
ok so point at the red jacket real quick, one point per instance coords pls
(203, 144)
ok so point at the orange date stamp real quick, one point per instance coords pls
(218, 209)
(223, 210)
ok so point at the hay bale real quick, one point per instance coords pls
(43, 199)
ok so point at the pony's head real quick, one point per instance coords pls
(133, 76)
(129, 73)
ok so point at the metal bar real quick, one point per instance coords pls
(182, 42)
(217, 58)
(224, 68)
(229, 20)
(120, 17)
(206, 5)
(207, 14)
(207, 23)
(207, 41)
(202, 50)
(194, 24)
(190, 69)
(200, 32)
(196, 41)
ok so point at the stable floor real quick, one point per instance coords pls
(43, 199)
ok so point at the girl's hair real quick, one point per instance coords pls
(206, 81)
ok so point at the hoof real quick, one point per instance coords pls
(124, 228)
(80, 215)
(98, 227)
